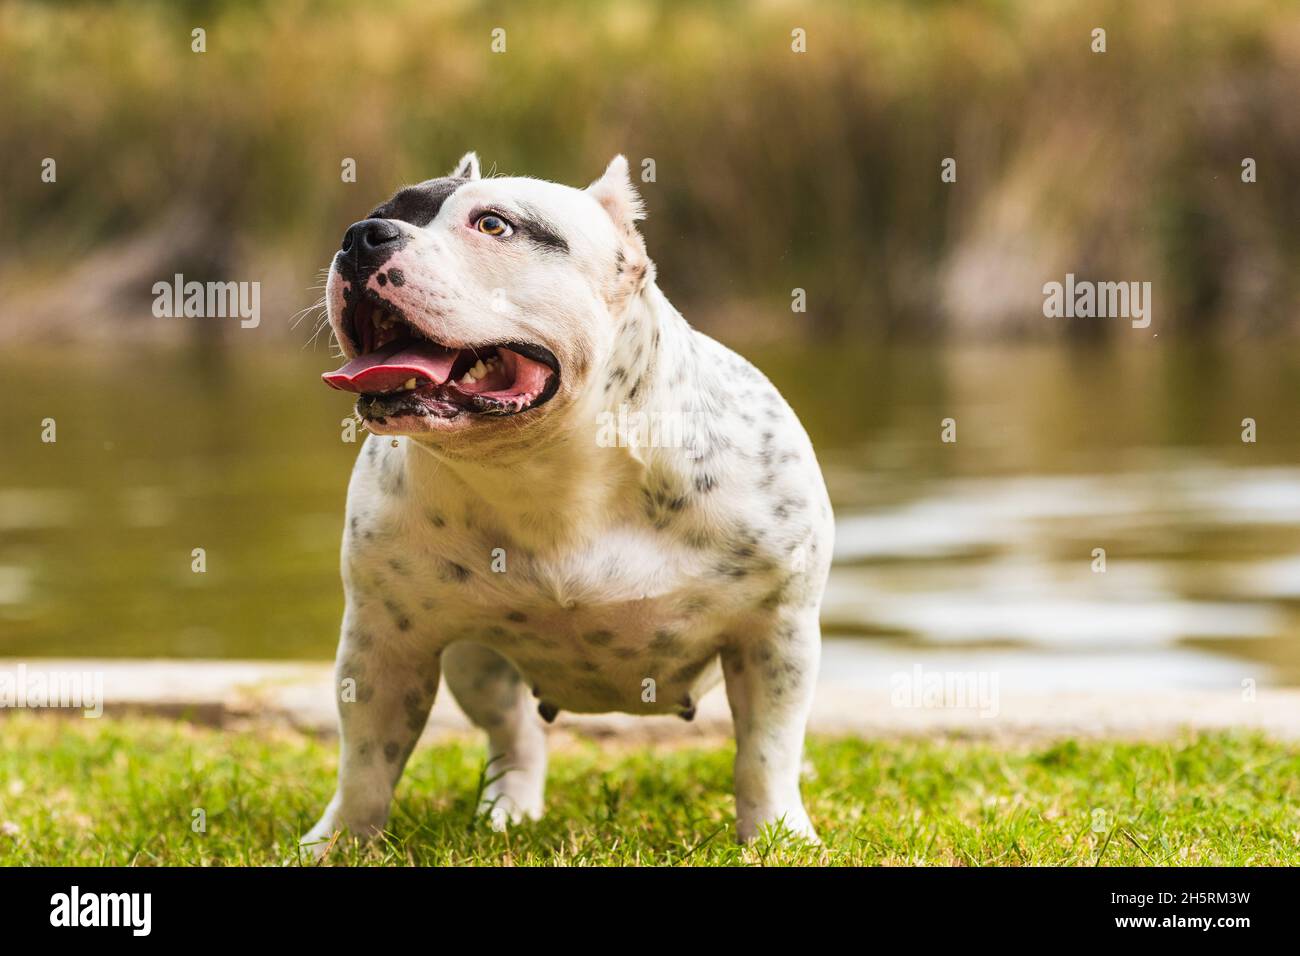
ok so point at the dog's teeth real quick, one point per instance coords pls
(467, 378)
(409, 384)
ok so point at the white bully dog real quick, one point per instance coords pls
(570, 499)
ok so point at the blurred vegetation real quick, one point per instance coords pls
(774, 170)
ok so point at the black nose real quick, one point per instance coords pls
(370, 241)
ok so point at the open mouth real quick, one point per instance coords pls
(398, 371)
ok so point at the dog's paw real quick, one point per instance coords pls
(318, 841)
(790, 827)
(513, 798)
(336, 827)
(502, 813)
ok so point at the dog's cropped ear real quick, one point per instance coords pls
(468, 167)
(614, 191)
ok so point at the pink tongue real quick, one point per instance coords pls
(388, 369)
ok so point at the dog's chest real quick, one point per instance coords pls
(628, 622)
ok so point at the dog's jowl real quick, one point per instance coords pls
(500, 537)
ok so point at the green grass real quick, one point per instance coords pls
(123, 791)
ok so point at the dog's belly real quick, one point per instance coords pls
(641, 657)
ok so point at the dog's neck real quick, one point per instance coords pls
(552, 482)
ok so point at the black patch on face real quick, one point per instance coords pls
(519, 617)
(397, 277)
(419, 205)
(548, 711)
(538, 230)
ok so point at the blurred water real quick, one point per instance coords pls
(976, 554)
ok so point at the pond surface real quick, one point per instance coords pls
(977, 554)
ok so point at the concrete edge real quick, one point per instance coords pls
(299, 695)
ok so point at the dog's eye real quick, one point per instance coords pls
(493, 225)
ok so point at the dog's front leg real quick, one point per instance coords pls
(770, 679)
(385, 687)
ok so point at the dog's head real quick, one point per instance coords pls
(470, 304)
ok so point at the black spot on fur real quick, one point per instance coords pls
(665, 643)
(397, 277)
(398, 614)
(548, 711)
(688, 673)
(519, 617)
(457, 572)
